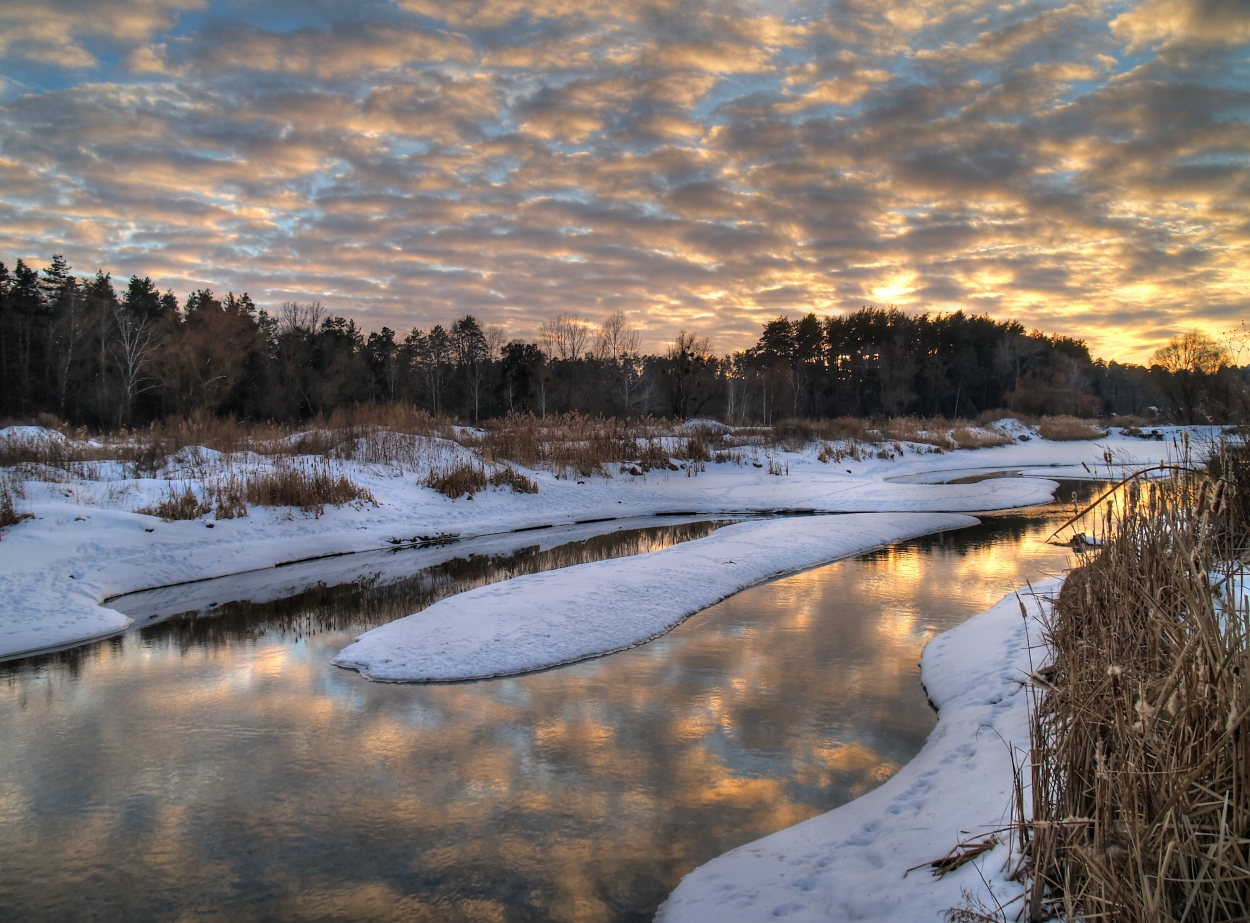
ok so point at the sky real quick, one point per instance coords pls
(1082, 167)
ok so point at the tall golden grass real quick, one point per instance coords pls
(1140, 751)
(309, 487)
(1069, 429)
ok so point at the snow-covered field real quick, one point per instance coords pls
(850, 863)
(87, 543)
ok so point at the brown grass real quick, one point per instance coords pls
(309, 487)
(465, 478)
(941, 433)
(398, 437)
(470, 477)
(177, 505)
(1141, 727)
(231, 500)
(9, 516)
(507, 476)
(568, 445)
(1069, 429)
(1230, 462)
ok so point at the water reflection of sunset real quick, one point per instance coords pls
(243, 777)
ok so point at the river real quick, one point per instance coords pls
(215, 766)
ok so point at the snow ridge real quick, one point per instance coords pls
(544, 620)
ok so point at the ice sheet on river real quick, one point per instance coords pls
(849, 863)
(542, 620)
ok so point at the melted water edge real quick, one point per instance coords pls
(214, 766)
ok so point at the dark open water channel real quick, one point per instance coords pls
(218, 768)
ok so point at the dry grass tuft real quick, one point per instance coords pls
(973, 437)
(1141, 737)
(9, 516)
(1069, 429)
(184, 504)
(466, 478)
(941, 433)
(231, 500)
(309, 487)
(507, 476)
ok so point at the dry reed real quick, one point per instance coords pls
(176, 505)
(1140, 751)
(309, 487)
(9, 516)
(465, 478)
(507, 476)
(1069, 429)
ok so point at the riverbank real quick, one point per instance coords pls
(852, 863)
(86, 542)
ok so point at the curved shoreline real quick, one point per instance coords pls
(850, 863)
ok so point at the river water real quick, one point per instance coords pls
(214, 766)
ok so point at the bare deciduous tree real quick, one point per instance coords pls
(565, 337)
(616, 338)
(132, 337)
(294, 317)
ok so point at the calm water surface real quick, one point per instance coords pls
(218, 768)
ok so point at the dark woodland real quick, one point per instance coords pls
(95, 353)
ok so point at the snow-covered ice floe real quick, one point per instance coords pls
(850, 863)
(542, 620)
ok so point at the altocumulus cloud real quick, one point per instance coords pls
(1081, 166)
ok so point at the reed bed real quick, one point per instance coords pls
(309, 487)
(1069, 429)
(400, 438)
(1139, 780)
(9, 515)
(177, 504)
(467, 478)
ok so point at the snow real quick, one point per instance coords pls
(32, 434)
(543, 620)
(849, 863)
(87, 543)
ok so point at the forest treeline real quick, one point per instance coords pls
(94, 353)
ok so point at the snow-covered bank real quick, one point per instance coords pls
(86, 543)
(849, 863)
(542, 620)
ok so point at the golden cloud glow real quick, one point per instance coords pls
(707, 167)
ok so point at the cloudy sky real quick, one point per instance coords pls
(1081, 166)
